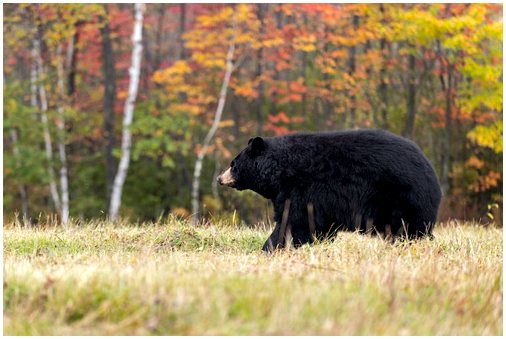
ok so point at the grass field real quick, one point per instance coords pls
(170, 278)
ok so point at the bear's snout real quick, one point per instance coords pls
(226, 178)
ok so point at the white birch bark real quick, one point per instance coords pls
(36, 54)
(64, 186)
(33, 82)
(126, 141)
(217, 118)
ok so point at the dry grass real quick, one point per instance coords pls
(170, 278)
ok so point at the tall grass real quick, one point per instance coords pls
(171, 278)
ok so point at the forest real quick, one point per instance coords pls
(131, 111)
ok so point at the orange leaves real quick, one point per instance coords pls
(474, 162)
(277, 123)
(297, 87)
(246, 90)
(290, 91)
(221, 145)
(268, 42)
(280, 117)
(285, 53)
(486, 182)
(338, 54)
(122, 94)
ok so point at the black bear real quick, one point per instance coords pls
(320, 183)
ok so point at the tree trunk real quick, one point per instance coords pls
(259, 71)
(37, 57)
(351, 71)
(210, 134)
(159, 35)
(61, 141)
(182, 27)
(214, 183)
(72, 62)
(126, 141)
(234, 105)
(109, 72)
(33, 85)
(445, 182)
(411, 100)
(22, 187)
(383, 85)
(447, 88)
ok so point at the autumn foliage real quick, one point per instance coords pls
(430, 72)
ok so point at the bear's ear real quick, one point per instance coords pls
(257, 145)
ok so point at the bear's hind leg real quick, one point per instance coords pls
(420, 229)
(413, 227)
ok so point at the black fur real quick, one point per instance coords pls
(354, 179)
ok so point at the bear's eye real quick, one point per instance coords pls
(232, 163)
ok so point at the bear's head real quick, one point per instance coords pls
(254, 168)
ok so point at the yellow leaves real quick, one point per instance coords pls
(180, 67)
(216, 18)
(159, 76)
(326, 64)
(493, 32)
(484, 72)
(176, 71)
(226, 123)
(306, 43)
(460, 42)
(10, 105)
(186, 108)
(477, 11)
(175, 83)
(272, 42)
(210, 60)
(488, 136)
(244, 12)
(205, 39)
(245, 37)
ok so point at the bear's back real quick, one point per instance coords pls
(372, 153)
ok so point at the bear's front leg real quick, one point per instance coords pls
(272, 242)
(299, 236)
(291, 222)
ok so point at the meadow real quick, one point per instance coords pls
(169, 278)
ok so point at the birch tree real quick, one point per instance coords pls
(14, 137)
(214, 127)
(126, 141)
(37, 57)
(64, 186)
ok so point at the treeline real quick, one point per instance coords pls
(429, 72)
